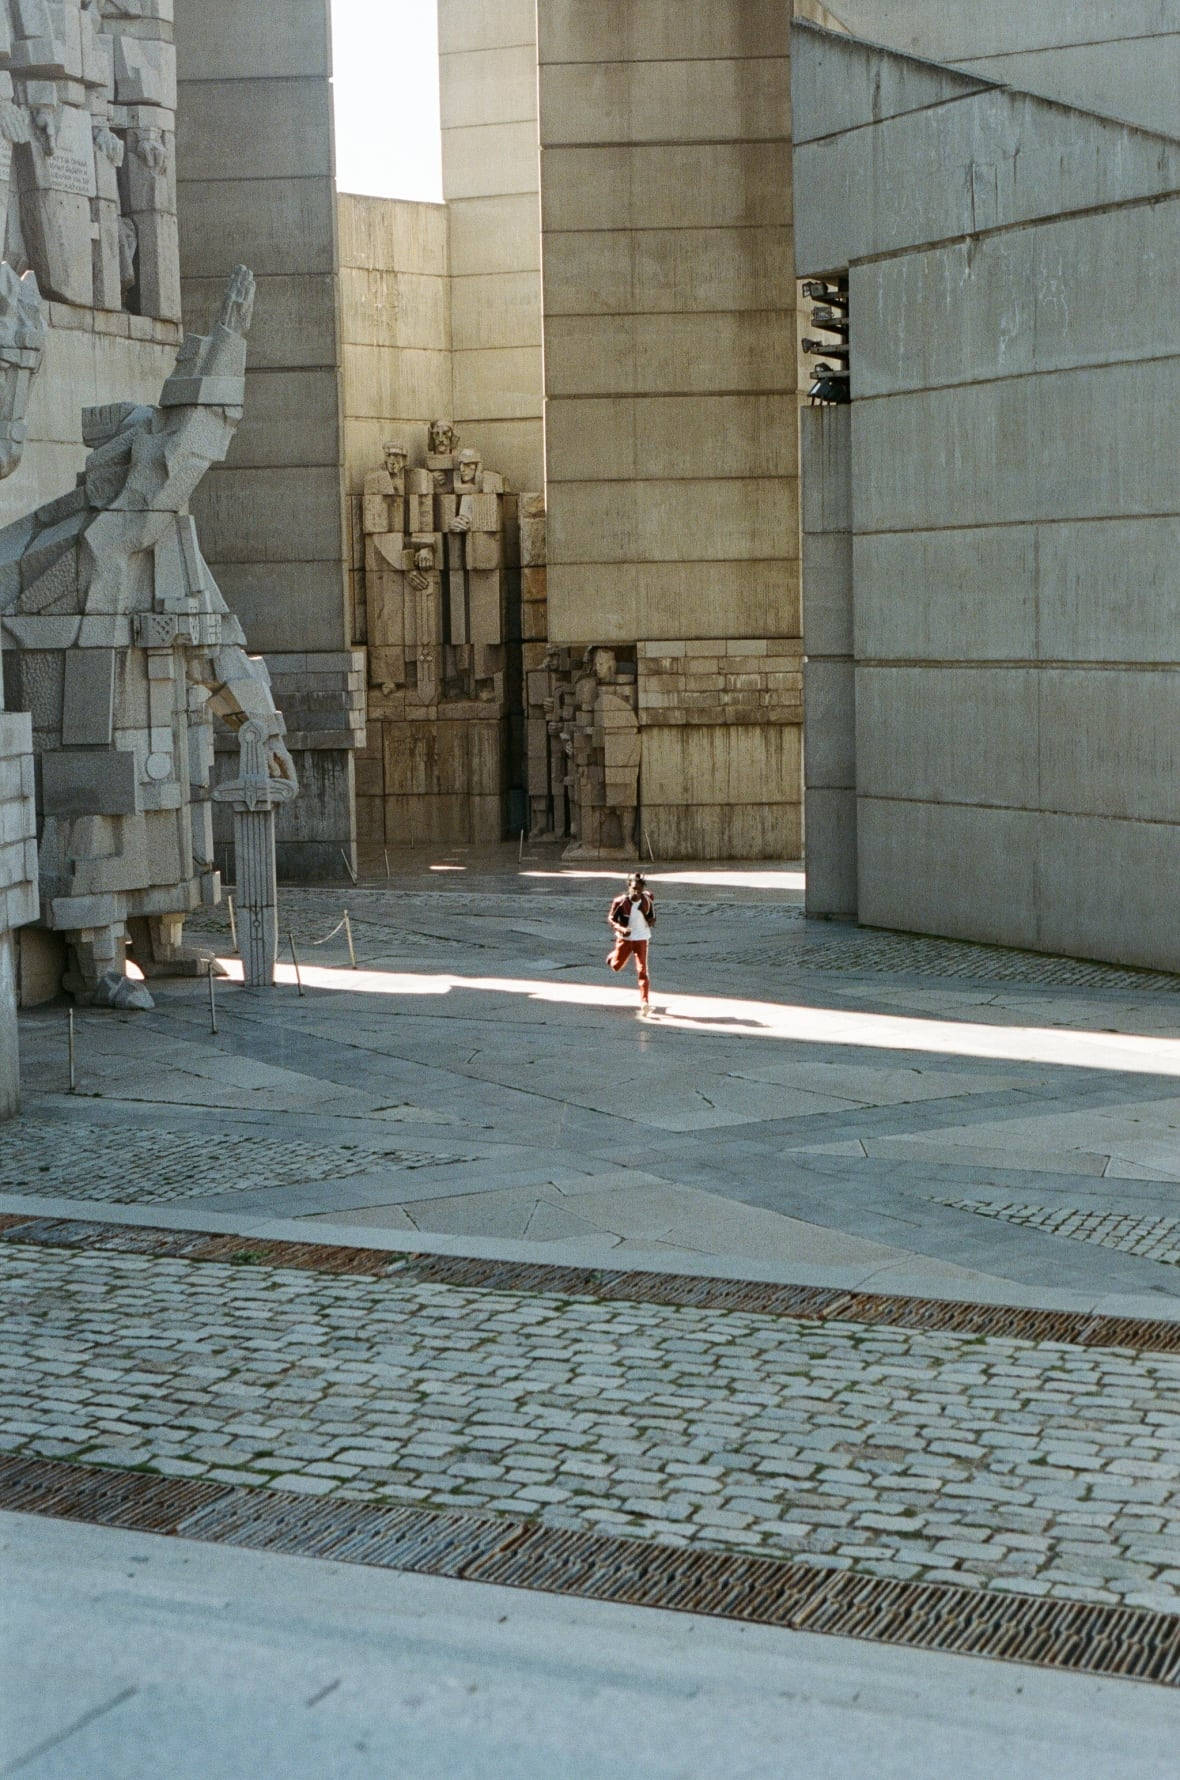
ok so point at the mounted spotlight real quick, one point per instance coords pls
(828, 386)
(830, 380)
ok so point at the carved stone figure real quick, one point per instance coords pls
(433, 559)
(444, 440)
(22, 340)
(595, 751)
(87, 115)
(123, 650)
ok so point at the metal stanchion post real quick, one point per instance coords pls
(212, 1002)
(520, 849)
(348, 937)
(388, 873)
(233, 925)
(73, 1071)
(348, 865)
(295, 962)
(650, 854)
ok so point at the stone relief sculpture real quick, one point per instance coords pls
(434, 554)
(594, 752)
(123, 650)
(22, 341)
(87, 125)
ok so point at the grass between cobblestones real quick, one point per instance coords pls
(1040, 1468)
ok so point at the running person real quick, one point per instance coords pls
(631, 919)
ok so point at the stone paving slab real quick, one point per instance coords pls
(1030, 1467)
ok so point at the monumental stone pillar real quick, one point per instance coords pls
(253, 796)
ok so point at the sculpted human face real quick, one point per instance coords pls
(395, 459)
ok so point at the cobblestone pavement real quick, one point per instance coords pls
(111, 1164)
(1041, 1468)
(1156, 1238)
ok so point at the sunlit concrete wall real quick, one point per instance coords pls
(1117, 57)
(670, 382)
(1015, 427)
(488, 94)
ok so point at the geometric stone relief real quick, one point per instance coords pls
(594, 751)
(434, 554)
(123, 650)
(442, 593)
(87, 132)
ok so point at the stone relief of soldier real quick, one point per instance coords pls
(122, 647)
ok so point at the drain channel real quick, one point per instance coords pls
(1072, 1328)
(1132, 1643)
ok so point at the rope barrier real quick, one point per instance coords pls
(339, 928)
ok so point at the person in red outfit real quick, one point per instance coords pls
(631, 919)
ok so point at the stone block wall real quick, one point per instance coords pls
(256, 184)
(491, 183)
(670, 354)
(1014, 525)
(1122, 61)
(721, 726)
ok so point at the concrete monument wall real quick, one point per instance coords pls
(1122, 60)
(256, 179)
(1013, 438)
(395, 350)
(670, 330)
(491, 183)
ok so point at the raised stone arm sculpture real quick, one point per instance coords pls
(125, 653)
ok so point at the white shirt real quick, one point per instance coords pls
(637, 927)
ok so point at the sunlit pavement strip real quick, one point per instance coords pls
(1041, 1469)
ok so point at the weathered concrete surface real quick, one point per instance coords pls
(128, 1652)
(1123, 61)
(1012, 542)
(256, 180)
(491, 183)
(670, 394)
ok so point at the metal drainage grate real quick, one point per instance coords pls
(1072, 1328)
(188, 1245)
(807, 1303)
(1133, 1643)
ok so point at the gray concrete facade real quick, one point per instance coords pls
(256, 178)
(1122, 61)
(671, 452)
(491, 183)
(1015, 374)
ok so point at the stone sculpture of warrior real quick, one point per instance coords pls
(123, 649)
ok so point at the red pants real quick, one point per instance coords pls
(632, 948)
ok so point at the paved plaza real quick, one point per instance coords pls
(810, 1103)
(806, 1093)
